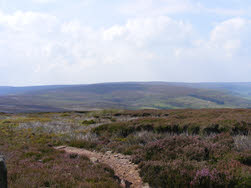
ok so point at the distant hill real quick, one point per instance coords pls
(131, 95)
(238, 89)
(7, 90)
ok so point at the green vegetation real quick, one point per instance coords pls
(88, 122)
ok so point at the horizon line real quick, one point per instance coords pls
(123, 82)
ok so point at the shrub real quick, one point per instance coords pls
(245, 158)
(88, 122)
(207, 178)
(184, 160)
(114, 129)
(82, 144)
(175, 173)
(240, 128)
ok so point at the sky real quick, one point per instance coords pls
(47, 42)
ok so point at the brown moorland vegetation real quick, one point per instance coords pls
(196, 148)
(32, 162)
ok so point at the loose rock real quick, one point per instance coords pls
(94, 159)
(3, 173)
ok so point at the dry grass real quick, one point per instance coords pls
(242, 143)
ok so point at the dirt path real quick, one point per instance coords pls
(124, 169)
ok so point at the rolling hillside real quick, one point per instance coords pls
(135, 95)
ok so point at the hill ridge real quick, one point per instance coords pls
(126, 95)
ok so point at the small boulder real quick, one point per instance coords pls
(125, 184)
(3, 173)
(146, 185)
(94, 160)
(109, 152)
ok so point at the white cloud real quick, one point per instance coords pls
(44, 1)
(43, 49)
(177, 7)
(226, 12)
(47, 47)
(23, 21)
(226, 39)
(231, 35)
(229, 29)
(143, 32)
(157, 7)
(224, 55)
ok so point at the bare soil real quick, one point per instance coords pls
(124, 169)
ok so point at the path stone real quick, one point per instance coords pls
(94, 159)
(146, 185)
(109, 152)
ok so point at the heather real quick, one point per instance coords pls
(192, 160)
(173, 148)
(32, 162)
(184, 147)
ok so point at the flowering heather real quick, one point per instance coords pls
(207, 177)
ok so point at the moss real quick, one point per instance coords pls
(88, 122)
(65, 115)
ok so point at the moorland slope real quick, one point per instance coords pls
(134, 95)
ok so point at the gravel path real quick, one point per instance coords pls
(127, 172)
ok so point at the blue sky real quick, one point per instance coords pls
(89, 41)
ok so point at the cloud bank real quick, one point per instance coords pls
(44, 48)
